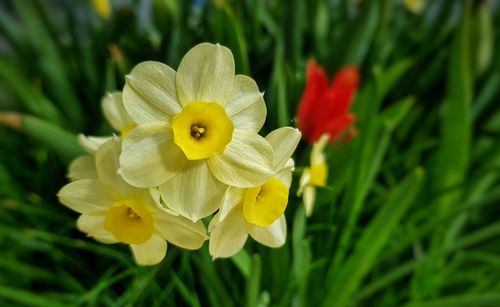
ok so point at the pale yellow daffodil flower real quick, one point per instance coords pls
(112, 211)
(314, 176)
(257, 211)
(197, 131)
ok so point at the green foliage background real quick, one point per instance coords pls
(410, 217)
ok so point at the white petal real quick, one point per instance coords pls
(304, 181)
(180, 231)
(85, 196)
(285, 176)
(246, 162)
(154, 194)
(232, 198)
(205, 74)
(114, 111)
(93, 225)
(309, 199)
(91, 143)
(229, 235)
(245, 105)
(284, 141)
(82, 168)
(193, 193)
(107, 168)
(150, 252)
(317, 152)
(149, 156)
(149, 94)
(272, 236)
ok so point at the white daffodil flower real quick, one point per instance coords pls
(197, 131)
(115, 114)
(314, 176)
(257, 211)
(112, 211)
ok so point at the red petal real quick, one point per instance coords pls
(316, 86)
(345, 84)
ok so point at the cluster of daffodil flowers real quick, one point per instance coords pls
(187, 147)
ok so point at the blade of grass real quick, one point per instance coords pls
(253, 282)
(486, 299)
(32, 101)
(27, 297)
(341, 289)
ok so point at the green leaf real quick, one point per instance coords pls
(340, 290)
(243, 262)
(253, 282)
(363, 34)
(61, 142)
(486, 299)
(27, 297)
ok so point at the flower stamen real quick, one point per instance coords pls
(131, 214)
(197, 131)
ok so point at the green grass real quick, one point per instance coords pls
(410, 217)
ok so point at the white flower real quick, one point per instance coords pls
(113, 211)
(257, 211)
(197, 131)
(315, 175)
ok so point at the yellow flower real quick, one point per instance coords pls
(415, 6)
(314, 176)
(102, 7)
(115, 114)
(112, 211)
(257, 211)
(197, 130)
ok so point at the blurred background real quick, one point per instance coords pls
(410, 216)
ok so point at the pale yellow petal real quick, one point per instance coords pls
(82, 168)
(285, 175)
(318, 148)
(107, 168)
(304, 181)
(309, 199)
(232, 198)
(229, 235)
(114, 111)
(284, 142)
(150, 252)
(93, 225)
(273, 235)
(245, 106)
(85, 196)
(205, 74)
(149, 94)
(149, 156)
(180, 231)
(193, 193)
(246, 162)
(91, 143)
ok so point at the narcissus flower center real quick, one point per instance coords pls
(319, 173)
(265, 204)
(129, 221)
(202, 130)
